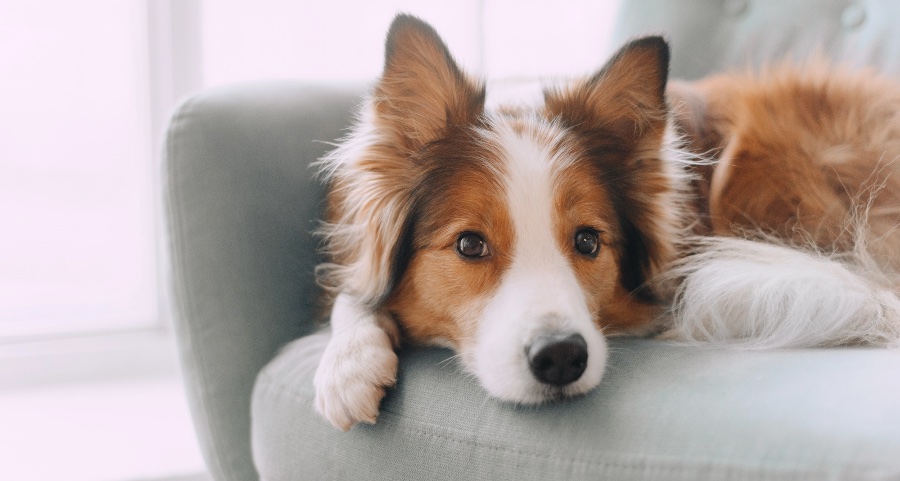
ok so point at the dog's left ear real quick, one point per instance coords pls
(626, 98)
(620, 116)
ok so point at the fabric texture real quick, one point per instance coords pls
(242, 202)
(662, 412)
(709, 36)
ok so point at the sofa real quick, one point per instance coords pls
(241, 204)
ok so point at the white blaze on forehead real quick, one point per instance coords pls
(532, 162)
(539, 292)
(540, 273)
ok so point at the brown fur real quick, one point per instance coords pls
(620, 115)
(461, 192)
(584, 200)
(802, 152)
(798, 151)
(427, 180)
(456, 195)
(421, 97)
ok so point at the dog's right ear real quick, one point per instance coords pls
(422, 91)
(421, 96)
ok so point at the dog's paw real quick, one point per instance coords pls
(356, 368)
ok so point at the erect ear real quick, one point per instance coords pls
(619, 115)
(420, 97)
(625, 98)
(422, 91)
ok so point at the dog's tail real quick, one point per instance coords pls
(762, 295)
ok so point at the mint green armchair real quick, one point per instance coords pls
(242, 201)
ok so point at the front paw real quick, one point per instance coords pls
(356, 368)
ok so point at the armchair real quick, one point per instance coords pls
(242, 202)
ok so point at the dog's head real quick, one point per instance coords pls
(514, 236)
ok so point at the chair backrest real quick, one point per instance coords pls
(711, 35)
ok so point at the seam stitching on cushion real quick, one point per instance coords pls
(637, 464)
(644, 463)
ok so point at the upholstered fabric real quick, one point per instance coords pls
(663, 412)
(241, 205)
(242, 201)
(711, 35)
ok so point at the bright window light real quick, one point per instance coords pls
(76, 178)
(332, 40)
(77, 170)
(344, 39)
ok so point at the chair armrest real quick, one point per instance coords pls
(241, 203)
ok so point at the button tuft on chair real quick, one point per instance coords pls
(853, 16)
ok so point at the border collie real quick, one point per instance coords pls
(751, 210)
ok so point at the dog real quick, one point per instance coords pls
(747, 210)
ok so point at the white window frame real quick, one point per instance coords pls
(97, 351)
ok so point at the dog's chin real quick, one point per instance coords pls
(537, 393)
(529, 391)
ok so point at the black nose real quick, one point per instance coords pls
(558, 359)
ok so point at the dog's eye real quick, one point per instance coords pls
(471, 245)
(587, 243)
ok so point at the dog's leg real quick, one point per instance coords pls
(358, 364)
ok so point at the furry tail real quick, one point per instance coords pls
(760, 295)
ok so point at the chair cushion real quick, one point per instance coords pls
(663, 411)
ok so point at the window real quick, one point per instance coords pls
(77, 252)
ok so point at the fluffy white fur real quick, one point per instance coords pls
(367, 277)
(357, 366)
(762, 295)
